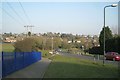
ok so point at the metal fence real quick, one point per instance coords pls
(12, 62)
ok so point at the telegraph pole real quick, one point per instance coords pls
(28, 29)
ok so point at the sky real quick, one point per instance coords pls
(64, 17)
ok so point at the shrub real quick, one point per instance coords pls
(26, 45)
(74, 50)
(96, 50)
(45, 53)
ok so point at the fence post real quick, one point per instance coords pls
(23, 60)
(2, 65)
(15, 60)
(98, 57)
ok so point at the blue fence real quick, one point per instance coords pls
(12, 62)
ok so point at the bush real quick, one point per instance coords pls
(45, 53)
(74, 50)
(96, 50)
(26, 45)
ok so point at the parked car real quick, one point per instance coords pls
(51, 52)
(112, 56)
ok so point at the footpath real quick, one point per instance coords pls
(36, 70)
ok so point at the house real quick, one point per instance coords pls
(9, 40)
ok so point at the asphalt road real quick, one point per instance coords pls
(90, 58)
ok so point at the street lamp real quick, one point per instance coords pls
(113, 5)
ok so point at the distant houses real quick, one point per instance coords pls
(85, 40)
(74, 41)
(9, 40)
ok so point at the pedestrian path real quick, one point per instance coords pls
(36, 70)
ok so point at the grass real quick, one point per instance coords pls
(69, 67)
(6, 47)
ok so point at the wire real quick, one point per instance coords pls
(24, 12)
(11, 16)
(15, 12)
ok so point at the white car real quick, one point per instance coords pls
(51, 52)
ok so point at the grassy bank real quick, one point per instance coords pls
(68, 67)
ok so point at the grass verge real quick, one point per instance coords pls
(69, 67)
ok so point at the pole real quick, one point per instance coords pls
(52, 44)
(104, 38)
(113, 5)
(28, 28)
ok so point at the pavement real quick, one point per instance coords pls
(36, 70)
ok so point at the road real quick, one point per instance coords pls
(90, 58)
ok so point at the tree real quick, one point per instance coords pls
(56, 43)
(108, 35)
(113, 44)
(26, 45)
(8, 34)
(29, 33)
(65, 45)
(38, 42)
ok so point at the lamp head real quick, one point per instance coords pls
(114, 5)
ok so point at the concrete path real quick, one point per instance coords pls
(36, 70)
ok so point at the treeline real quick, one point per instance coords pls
(111, 45)
(35, 44)
(43, 43)
(112, 42)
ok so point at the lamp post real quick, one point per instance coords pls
(113, 5)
